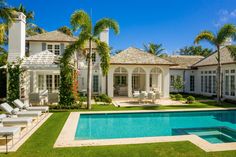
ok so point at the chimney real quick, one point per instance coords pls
(104, 36)
(16, 38)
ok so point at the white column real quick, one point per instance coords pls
(110, 84)
(147, 80)
(165, 82)
(129, 83)
(35, 80)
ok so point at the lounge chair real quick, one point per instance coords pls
(17, 121)
(142, 97)
(7, 108)
(9, 132)
(22, 106)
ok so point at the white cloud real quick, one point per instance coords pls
(225, 16)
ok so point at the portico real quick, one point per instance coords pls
(129, 73)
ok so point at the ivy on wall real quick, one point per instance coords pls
(13, 90)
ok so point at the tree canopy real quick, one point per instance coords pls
(195, 51)
(153, 48)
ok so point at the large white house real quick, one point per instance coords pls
(130, 70)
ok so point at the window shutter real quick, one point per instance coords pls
(62, 48)
(43, 46)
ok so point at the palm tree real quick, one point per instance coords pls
(7, 15)
(31, 28)
(29, 14)
(80, 20)
(66, 30)
(155, 49)
(218, 40)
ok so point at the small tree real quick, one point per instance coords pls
(14, 71)
(178, 83)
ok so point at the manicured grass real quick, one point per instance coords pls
(209, 104)
(41, 144)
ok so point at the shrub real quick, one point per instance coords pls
(103, 98)
(172, 96)
(190, 99)
(178, 97)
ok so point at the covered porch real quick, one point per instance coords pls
(127, 79)
(134, 70)
(41, 79)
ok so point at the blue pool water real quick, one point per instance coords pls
(213, 126)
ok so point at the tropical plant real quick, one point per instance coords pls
(80, 20)
(153, 48)
(190, 99)
(195, 50)
(29, 14)
(14, 73)
(66, 30)
(178, 83)
(7, 15)
(218, 40)
(232, 50)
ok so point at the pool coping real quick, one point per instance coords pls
(66, 137)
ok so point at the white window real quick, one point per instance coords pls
(56, 82)
(192, 83)
(202, 83)
(214, 84)
(209, 84)
(49, 83)
(41, 82)
(94, 57)
(54, 48)
(206, 84)
(95, 83)
(232, 85)
(172, 80)
(227, 85)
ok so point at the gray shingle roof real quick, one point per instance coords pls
(52, 36)
(212, 59)
(136, 56)
(183, 61)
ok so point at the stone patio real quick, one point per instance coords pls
(129, 102)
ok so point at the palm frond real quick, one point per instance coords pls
(104, 24)
(205, 35)
(79, 44)
(29, 14)
(33, 29)
(232, 50)
(66, 30)
(81, 20)
(3, 28)
(104, 52)
(155, 49)
(227, 31)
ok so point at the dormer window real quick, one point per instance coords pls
(94, 57)
(54, 48)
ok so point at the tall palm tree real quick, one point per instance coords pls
(66, 30)
(29, 14)
(218, 40)
(31, 28)
(80, 20)
(7, 15)
(153, 48)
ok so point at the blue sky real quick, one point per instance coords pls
(174, 23)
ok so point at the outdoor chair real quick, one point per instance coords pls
(136, 94)
(142, 97)
(53, 98)
(7, 108)
(18, 103)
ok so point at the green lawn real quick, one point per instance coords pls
(41, 143)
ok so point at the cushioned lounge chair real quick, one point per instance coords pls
(7, 108)
(22, 106)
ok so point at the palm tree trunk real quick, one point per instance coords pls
(219, 81)
(89, 76)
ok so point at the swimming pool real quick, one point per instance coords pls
(213, 126)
